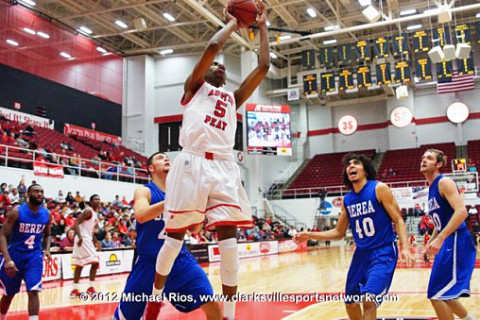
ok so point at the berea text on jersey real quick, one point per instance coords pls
(31, 227)
(360, 209)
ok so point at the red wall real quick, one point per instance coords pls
(88, 71)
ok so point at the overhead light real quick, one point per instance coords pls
(43, 35)
(65, 55)
(311, 12)
(432, 11)
(285, 37)
(330, 28)
(28, 30)
(408, 12)
(332, 41)
(121, 24)
(28, 2)
(365, 3)
(168, 16)
(102, 50)
(371, 13)
(414, 27)
(166, 51)
(85, 30)
(478, 15)
(12, 42)
(273, 55)
(417, 79)
(268, 23)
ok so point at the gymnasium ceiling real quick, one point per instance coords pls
(197, 20)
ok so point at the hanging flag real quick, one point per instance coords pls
(462, 34)
(466, 66)
(326, 57)
(364, 76)
(444, 71)
(310, 86)
(384, 73)
(441, 36)
(457, 83)
(363, 51)
(344, 54)
(399, 44)
(381, 48)
(327, 82)
(423, 69)
(402, 72)
(308, 59)
(346, 79)
(421, 41)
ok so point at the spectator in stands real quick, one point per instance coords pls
(3, 187)
(78, 197)
(418, 211)
(4, 198)
(22, 188)
(22, 143)
(117, 201)
(292, 232)
(14, 196)
(29, 130)
(117, 243)
(58, 228)
(473, 211)
(4, 138)
(101, 221)
(60, 198)
(63, 145)
(472, 166)
(69, 198)
(54, 158)
(70, 147)
(107, 242)
(68, 243)
(11, 139)
(391, 173)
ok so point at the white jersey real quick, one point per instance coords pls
(86, 227)
(209, 121)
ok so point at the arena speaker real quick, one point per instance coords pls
(140, 24)
(463, 51)
(436, 54)
(402, 92)
(449, 52)
(445, 15)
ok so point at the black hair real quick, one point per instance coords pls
(32, 186)
(150, 159)
(93, 196)
(367, 166)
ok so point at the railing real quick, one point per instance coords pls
(97, 170)
(333, 190)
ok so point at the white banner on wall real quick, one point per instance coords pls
(246, 250)
(22, 117)
(52, 270)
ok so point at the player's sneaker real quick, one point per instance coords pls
(74, 293)
(91, 290)
(152, 310)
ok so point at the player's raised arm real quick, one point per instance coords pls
(195, 79)
(143, 211)
(254, 79)
(85, 215)
(388, 201)
(12, 217)
(448, 189)
(47, 237)
(334, 234)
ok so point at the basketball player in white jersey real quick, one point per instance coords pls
(84, 251)
(204, 181)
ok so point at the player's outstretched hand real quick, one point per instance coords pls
(301, 237)
(229, 17)
(407, 256)
(79, 242)
(262, 19)
(10, 269)
(48, 256)
(435, 246)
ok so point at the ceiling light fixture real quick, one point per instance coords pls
(121, 24)
(168, 16)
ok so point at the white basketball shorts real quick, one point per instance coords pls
(85, 254)
(200, 189)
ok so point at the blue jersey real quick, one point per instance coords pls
(151, 234)
(27, 233)
(439, 208)
(370, 223)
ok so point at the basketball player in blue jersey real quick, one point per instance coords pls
(24, 230)
(450, 242)
(186, 279)
(369, 208)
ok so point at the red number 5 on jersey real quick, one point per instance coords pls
(220, 109)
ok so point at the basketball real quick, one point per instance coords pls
(245, 11)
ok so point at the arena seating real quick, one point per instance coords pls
(322, 171)
(474, 151)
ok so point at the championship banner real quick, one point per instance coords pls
(346, 79)
(344, 54)
(466, 66)
(441, 36)
(327, 82)
(423, 69)
(402, 72)
(399, 44)
(22, 117)
(246, 250)
(308, 59)
(384, 74)
(72, 130)
(52, 270)
(421, 41)
(310, 85)
(381, 48)
(364, 77)
(363, 51)
(47, 170)
(444, 71)
(462, 34)
(477, 28)
(326, 57)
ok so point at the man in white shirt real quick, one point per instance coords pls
(14, 196)
(60, 198)
(473, 211)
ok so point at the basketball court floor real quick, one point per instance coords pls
(320, 271)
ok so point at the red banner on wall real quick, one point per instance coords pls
(47, 170)
(71, 130)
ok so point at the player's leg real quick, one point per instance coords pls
(442, 310)
(76, 279)
(10, 286)
(458, 309)
(33, 304)
(33, 282)
(229, 265)
(354, 311)
(93, 274)
(369, 311)
(355, 278)
(212, 310)
(5, 305)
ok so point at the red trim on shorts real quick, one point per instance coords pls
(187, 211)
(224, 205)
(245, 224)
(184, 102)
(182, 229)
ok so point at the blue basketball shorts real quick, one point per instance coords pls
(30, 269)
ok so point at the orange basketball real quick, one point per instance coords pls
(245, 11)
